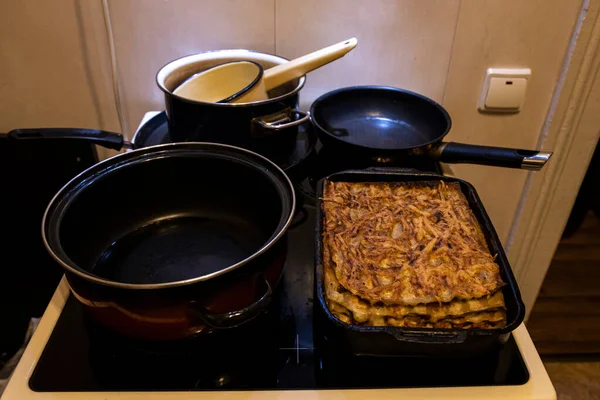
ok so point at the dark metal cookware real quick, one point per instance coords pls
(295, 164)
(386, 121)
(388, 340)
(174, 240)
(250, 125)
(156, 131)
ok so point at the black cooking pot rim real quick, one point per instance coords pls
(368, 88)
(64, 197)
(163, 88)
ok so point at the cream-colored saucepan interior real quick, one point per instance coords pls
(246, 81)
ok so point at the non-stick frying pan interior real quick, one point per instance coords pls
(380, 118)
(171, 219)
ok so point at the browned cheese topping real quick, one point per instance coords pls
(392, 248)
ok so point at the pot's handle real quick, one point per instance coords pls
(428, 337)
(109, 140)
(452, 152)
(233, 319)
(269, 124)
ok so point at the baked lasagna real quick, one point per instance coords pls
(408, 254)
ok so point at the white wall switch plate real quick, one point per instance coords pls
(504, 90)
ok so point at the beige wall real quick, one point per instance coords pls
(508, 33)
(55, 69)
(51, 69)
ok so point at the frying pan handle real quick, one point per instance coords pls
(105, 139)
(233, 319)
(452, 152)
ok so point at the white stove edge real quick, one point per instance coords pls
(539, 386)
(147, 117)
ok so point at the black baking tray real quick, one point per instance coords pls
(390, 341)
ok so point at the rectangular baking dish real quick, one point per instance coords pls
(390, 341)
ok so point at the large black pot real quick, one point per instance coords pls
(265, 126)
(175, 240)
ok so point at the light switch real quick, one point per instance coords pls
(506, 93)
(504, 90)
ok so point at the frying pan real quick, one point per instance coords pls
(156, 132)
(387, 121)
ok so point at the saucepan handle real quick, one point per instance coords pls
(452, 152)
(287, 118)
(105, 139)
(233, 319)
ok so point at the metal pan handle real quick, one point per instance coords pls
(428, 337)
(287, 118)
(236, 318)
(452, 152)
(398, 170)
(109, 140)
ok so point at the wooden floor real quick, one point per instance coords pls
(575, 380)
(566, 315)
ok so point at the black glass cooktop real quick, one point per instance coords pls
(282, 349)
(275, 351)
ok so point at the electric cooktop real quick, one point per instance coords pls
(280, 352)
